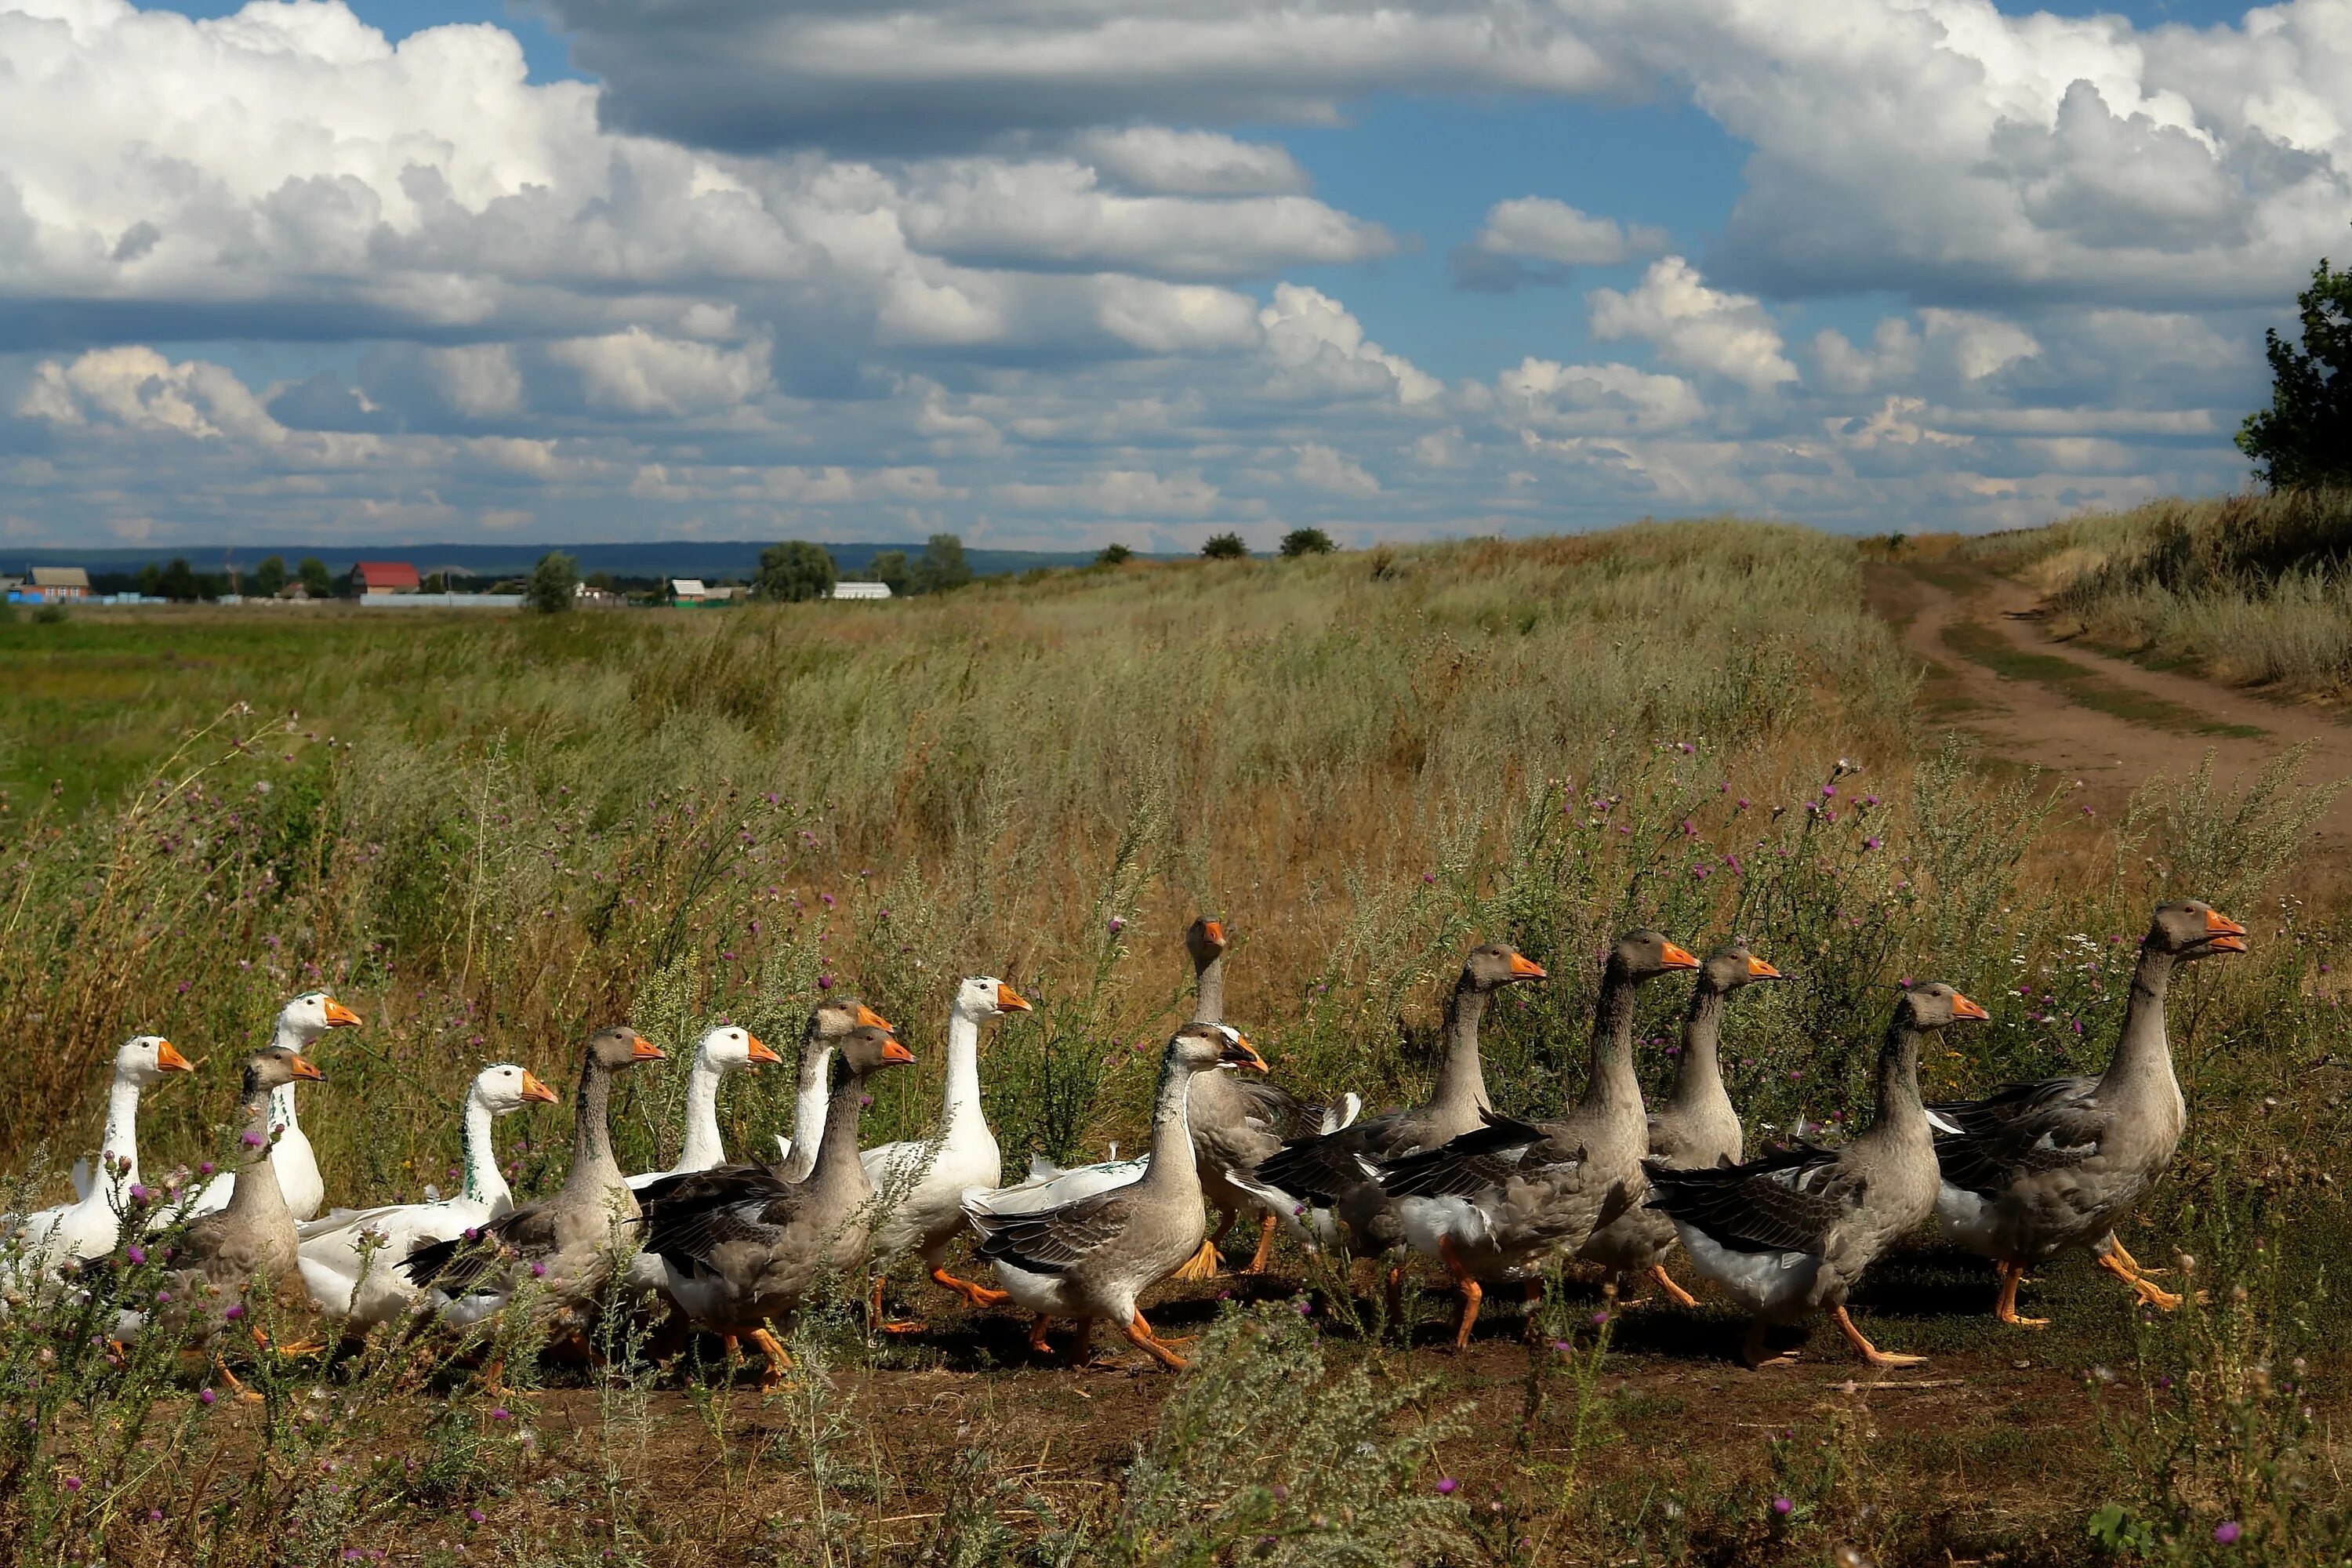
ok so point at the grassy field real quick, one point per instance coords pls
(490, 836)
(2255, 590)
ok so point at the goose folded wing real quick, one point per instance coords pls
(1272, 1107)
(1326, 1168)
(462, 1262)
(1481, 1159)
(738, 1204)
(2021, 1130)
(1056, 1240)
(1783, 1203)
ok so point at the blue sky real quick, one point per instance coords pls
(1056, 276)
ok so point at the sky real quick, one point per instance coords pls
(1058, 273)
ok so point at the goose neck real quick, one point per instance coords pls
(2143, 1052)
(1209, 990)
(484, 1182)
(1461, 1077)
(1699, 1076)
(122, 1140)
(593, 1165)
(837, 1167)
(1172, 1165)
(701, 1149)
(809, 1106)
(1612, 1082)
(257, 1194)
(963, 1068)
(1899, 1105)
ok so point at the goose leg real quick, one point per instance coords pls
(1754, 1355)
(1396, 1292)
(1265, 1245)
(1862, 1347)
(2115, 1245)
(1037, 1327)
(2012, 1275)
(975, 1294)
(889, 1325)
(1139, 1332)
(779, 1363)
(1675, 1293)
(1472, 1292)
(234, 1387)
(2147, 1290)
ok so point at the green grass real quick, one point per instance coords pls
(2079, 684)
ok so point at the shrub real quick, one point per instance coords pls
(1225, 547)
(554, 584)
(1301, 541)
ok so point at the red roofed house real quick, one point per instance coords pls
(385, 577)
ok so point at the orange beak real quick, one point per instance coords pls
(340, 1016)
(761, 1053)
(892, 1051)
(1525, 968)
(641, 1049)
(1760, 970)
(2229, 936)
(1964, 1009)
(168, 1058)
(1679, 958)
(868, 1018)
(1239, 1053)
(304, 1067)
(1214, 930)
(532, 1089)
(1010, 1000)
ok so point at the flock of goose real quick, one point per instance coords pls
(2019, 1177)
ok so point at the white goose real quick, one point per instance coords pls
(89, 1227)
(349, 1259)
(300, 1024)
(924, 1183)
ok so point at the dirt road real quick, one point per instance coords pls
(1995, 671)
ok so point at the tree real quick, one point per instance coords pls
(942, 566)
(151, 581)
(178, 582)
(1301, 541)
(794, 571)
(553, 582)
(1114, 555)
(891, 567)
(2305, 437)
(315, 581)
(269, 577)
(1225, 547)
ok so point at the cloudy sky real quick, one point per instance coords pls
(1057, 272)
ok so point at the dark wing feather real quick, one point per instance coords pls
(1271, 1104)
(1781, 1203)
(687, 1217)
(2018, 1130)
(1473, 1163)
(1055, 1241)
(1323, 1169)
(461, 1262)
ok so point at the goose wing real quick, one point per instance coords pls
(1323, 1169)
(1476, 1161)
(461, 1262)
(688, 1217)
(2019, 1130)
(1782, 1203)
(1054, 1241)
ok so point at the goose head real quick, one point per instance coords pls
(1934, 1005)
(1497, 964)
(2191, 929)
(618, 1045)
(146, 1060)
(311, 1015)
(730, 1047)
(836, 1016)
(1648, 953)
(1205, 939)
(985, 996)
(1729, 968)
(868, 1047)
(277, 1067)
(1203, 1047)
(503, 1087)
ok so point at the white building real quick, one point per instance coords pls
(861, 590)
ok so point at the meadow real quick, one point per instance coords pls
(489, 836)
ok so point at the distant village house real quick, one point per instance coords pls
(54, 585)
(861, 590)
(385, 577)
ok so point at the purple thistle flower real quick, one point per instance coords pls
(136, 1252)
(500, 1413)
(206, 1396)
(1782, 1506)
(539, 1270)
(1116, 925)
(234, 1311)
(250, 1139)
(73, 1483)
(1448, 1485)
(477, 1515)
(2226, 1533)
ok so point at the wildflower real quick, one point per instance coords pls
(1600, 1318)
(73, 1483)
(1742, 806)
(206, 1398)
(500, 1413)
(155, 1516)
(824, 982)
(477, 1515)
(864, 1099)
(2226, 1533)
(1428, 876)
(539, 1270)
(1562, 1346)
(234, 1310)
(828, 899)
(1870, 843)
(1448, 1485)
(1828, 790)
(139, 1194)
(1784, 1507)
(250, 1139)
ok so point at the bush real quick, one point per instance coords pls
(795, 571)
(1225, 547)
(1114, 555)
(1301, 541)
(554, 584)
